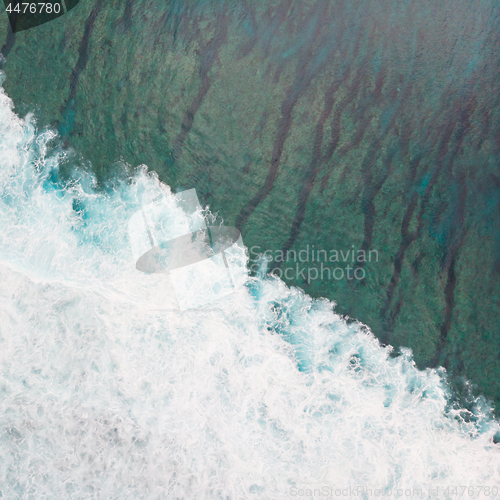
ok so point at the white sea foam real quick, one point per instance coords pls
(108, 392)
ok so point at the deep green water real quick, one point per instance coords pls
(344, 125)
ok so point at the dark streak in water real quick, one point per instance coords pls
(83, 50)
(308, 67)
(449, 294)
(316, 158)
(457, 230)
(206, 60)
(407, 238)
(126, 20)
(371, 184)
(313, 166)
(69, 109)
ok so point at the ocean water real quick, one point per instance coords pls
(109, 391)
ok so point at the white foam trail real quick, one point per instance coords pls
(106, 393)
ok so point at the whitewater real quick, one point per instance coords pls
(109, 391)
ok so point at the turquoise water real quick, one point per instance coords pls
(109, 391)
